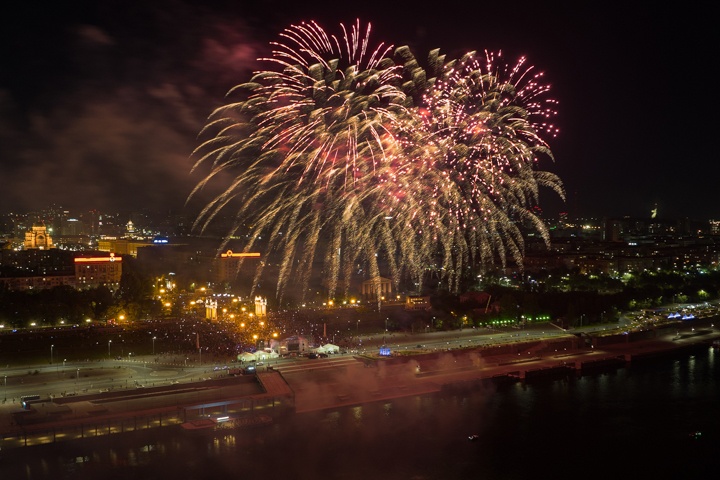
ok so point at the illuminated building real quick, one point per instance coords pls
(227, 265)
(715, 227)
(39, 269)
(260, 306)
(35, 269)
(37, 237)
(93, 271)
(381, 285)
(121, 246)
(417, 302)
(37, 282)
(211, 307)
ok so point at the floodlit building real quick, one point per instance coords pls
(121, 246)
(211, 309)
(38, 238)
(377, 286)
(260, 306)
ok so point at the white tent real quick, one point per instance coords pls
(262, 355)
(328, 348)
(247, 357)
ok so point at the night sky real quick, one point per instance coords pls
(101, 102)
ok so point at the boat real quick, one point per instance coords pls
(247, 421)
(225, 423)
(203, 424)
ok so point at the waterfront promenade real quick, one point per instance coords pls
(353, 379)
(375, 378)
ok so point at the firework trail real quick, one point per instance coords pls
(342, 154)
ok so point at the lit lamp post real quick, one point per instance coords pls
(51, 353)
(109, 342)
(154, 345)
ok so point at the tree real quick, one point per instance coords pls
(134, 285)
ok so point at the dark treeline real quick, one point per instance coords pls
(54, 304)
(566, 298)
(574, 299)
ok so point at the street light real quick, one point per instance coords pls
(51, 353)
(154, 345)
(109, 342)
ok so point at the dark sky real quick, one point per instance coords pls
(101, 102)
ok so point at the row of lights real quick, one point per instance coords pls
(62, 322)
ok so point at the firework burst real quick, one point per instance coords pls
(342, 155)
(306, 147)
(483, 123)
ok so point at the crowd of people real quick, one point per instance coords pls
(219, 341)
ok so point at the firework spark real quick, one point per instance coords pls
(343, 154)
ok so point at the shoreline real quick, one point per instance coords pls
(432, 372)
(356, 380)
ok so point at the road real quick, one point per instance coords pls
(69, 378)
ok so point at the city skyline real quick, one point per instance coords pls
(101, 109)
(147, 218)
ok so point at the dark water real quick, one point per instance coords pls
(637, 422)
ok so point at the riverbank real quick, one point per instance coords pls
(378, 378)
(342, 381)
